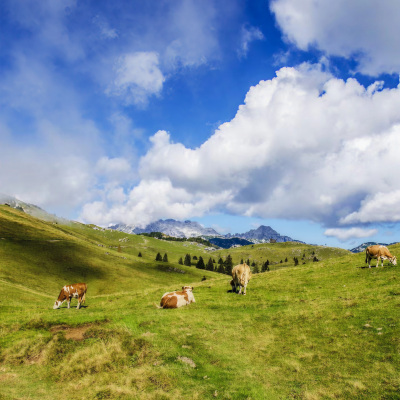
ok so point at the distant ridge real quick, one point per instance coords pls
(31, 209)
(228, 243)
(363, 246)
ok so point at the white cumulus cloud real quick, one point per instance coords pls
(378, 207)
(365, 30)
(304, 145)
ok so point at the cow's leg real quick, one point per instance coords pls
(69, 302)
(244, 291)
(240, 289)
(79, 303)
(377, 264)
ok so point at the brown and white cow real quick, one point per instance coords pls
(241, 274)
(379, 252)
(178, 299)
(77, 290)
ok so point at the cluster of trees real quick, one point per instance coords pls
(160, 258)
(225, 266)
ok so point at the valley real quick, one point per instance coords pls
(318, 330)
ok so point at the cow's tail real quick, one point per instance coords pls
(366, 255)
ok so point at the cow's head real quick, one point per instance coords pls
(187, 288)
(393, 260)
(61, 298)
(57, 304)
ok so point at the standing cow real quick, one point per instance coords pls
(241, 274)
(77, 290)
(379, 252)
(178, 299)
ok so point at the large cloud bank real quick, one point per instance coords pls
(304, 145)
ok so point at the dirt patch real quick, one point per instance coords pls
(187, 360)
(73, 333)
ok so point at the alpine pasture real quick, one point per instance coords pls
(318, 330)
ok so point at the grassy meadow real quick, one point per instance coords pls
(319, 330)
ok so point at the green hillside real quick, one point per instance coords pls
(321, 330)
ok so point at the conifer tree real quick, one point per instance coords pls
(228, 264)
(210, 265)
(158, 257)
(165, 258)
(180, 262)
(140, 254)
(188, 260)
(200, 263)
(221, 268)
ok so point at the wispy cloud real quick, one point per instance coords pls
(137, 77)
(248, 35)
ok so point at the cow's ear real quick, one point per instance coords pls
(192, 287)
(183, 287)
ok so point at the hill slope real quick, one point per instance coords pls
(321, 330)
(47, 255)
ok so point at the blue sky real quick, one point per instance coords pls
(231, 113)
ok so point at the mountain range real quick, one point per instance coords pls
(187, 229)
(261, 235)
(169, 227)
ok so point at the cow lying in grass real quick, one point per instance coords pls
(177, 299)
(77, 290)
(379, 252)
(241, 275)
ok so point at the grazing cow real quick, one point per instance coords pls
(178, 299)
(241, 275)
(379, 252)
(78, 290)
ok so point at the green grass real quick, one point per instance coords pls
(324, 330)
